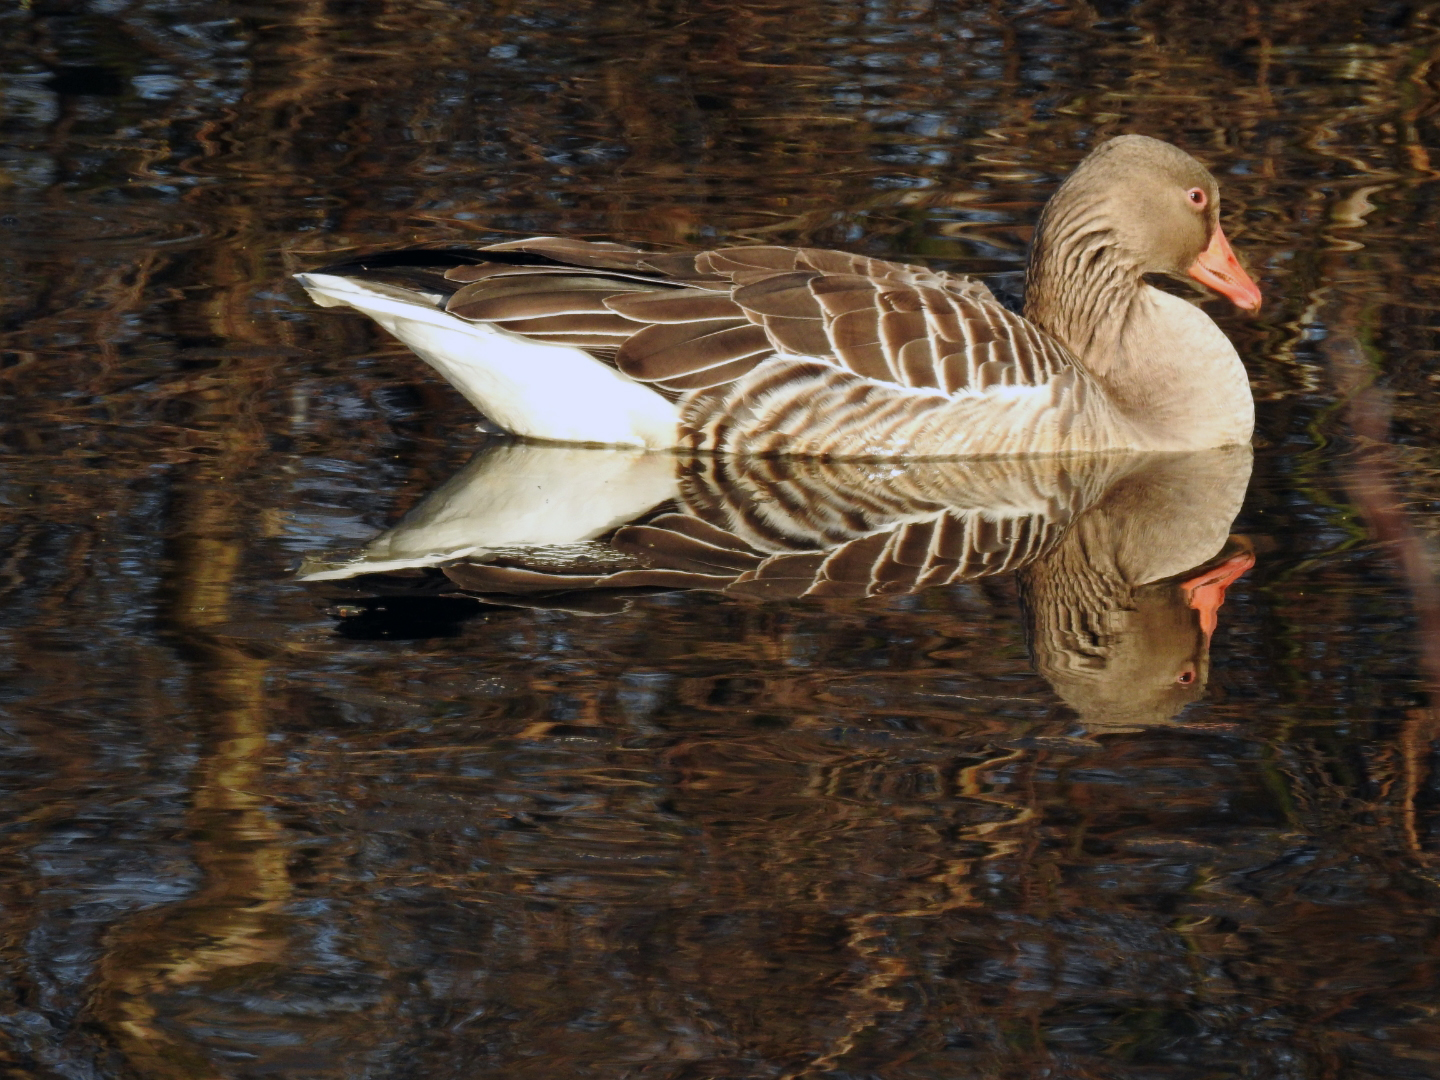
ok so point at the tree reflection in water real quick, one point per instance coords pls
(708, 834)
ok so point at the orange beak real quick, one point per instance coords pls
(1218, 268)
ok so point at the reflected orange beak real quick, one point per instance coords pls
(1207, 592)
(1218, 269)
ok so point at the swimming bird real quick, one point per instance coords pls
(788, 350)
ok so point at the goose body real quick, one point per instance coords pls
(780, 350)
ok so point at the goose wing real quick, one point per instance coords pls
(697, 321)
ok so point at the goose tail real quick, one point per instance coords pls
(542, 391)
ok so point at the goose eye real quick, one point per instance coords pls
(1186, 677)
(1197, 197)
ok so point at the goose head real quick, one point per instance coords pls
(1134, 206)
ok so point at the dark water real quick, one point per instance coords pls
(255, 827)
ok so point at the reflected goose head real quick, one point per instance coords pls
(1139, 671)
(1139, 663)
(1138, 206)
(1120, 615)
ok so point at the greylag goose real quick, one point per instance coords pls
(1123, 559)
(779, 350)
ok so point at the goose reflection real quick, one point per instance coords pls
(1123, 559)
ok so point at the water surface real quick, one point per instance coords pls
(258, 827)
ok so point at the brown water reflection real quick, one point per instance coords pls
(854, 836)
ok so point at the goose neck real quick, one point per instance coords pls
(1081, 286)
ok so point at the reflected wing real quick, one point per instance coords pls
(793, 527)
(677, 551)
(816, 528)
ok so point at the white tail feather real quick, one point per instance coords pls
(528, 388)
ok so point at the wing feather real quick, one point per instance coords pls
(790, 295)
(675, 306)
(586, 323)
(855, 341)
(670, 350)
(707, 378)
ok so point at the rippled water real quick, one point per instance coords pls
(261, 827)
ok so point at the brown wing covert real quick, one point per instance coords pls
(685, 322)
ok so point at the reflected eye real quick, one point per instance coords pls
(1197, 198)
(1186, 677)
